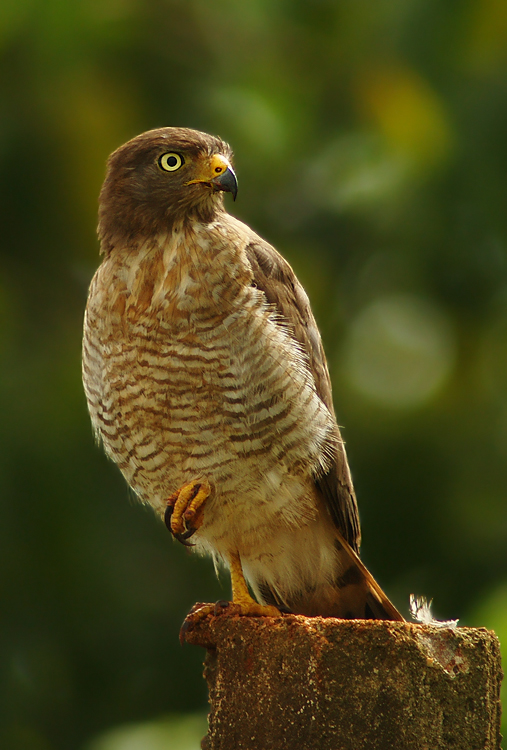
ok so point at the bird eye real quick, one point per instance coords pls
(170, 162)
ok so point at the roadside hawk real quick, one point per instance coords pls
(207, 384)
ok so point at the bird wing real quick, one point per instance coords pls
(275, 277)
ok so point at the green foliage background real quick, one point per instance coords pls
(371, 149)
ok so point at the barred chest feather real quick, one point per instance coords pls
(188, 374)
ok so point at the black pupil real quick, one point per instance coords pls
(171, 161)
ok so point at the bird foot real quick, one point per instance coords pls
(185, 510)
(253, 609)
(243, 609)
(200, 612)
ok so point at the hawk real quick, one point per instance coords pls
(207, 384)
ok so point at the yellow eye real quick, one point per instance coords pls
(170, 162)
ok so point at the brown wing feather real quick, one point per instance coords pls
(274, 276)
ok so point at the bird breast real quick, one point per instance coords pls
(189, 374)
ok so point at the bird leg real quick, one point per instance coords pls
(241, 597)
(185, 510)
(242, 603)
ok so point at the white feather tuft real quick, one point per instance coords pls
(420, 609)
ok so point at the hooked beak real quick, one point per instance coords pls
(219, 174)
(227, 182)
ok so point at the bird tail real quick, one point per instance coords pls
(353, 594)
(358, 593)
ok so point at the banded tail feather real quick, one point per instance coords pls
(354, 594)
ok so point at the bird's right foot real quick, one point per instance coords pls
(185, 510)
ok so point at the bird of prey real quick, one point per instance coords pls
(207, 384)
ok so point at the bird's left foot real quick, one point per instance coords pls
(185, 510)
(249, 608)
(242, 604)
(199, 612)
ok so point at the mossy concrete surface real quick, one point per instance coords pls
(320, 683)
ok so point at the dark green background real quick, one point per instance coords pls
(371, 149)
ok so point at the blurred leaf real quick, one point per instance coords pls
(486, 38)
(176, 733)
(409, 113)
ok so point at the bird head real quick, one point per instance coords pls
(161, 178)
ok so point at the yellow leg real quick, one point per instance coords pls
(241, 595)
(242, 603)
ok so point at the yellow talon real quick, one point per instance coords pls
(184, 513)
(242, 603)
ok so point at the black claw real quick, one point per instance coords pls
(183, 536)
(220, 607)
(182, 539)
(183, 630)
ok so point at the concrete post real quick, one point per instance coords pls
(302, 683)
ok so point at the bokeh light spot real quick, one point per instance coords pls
(183, 732)
(400, 351)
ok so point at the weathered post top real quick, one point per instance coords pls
(325, 684)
